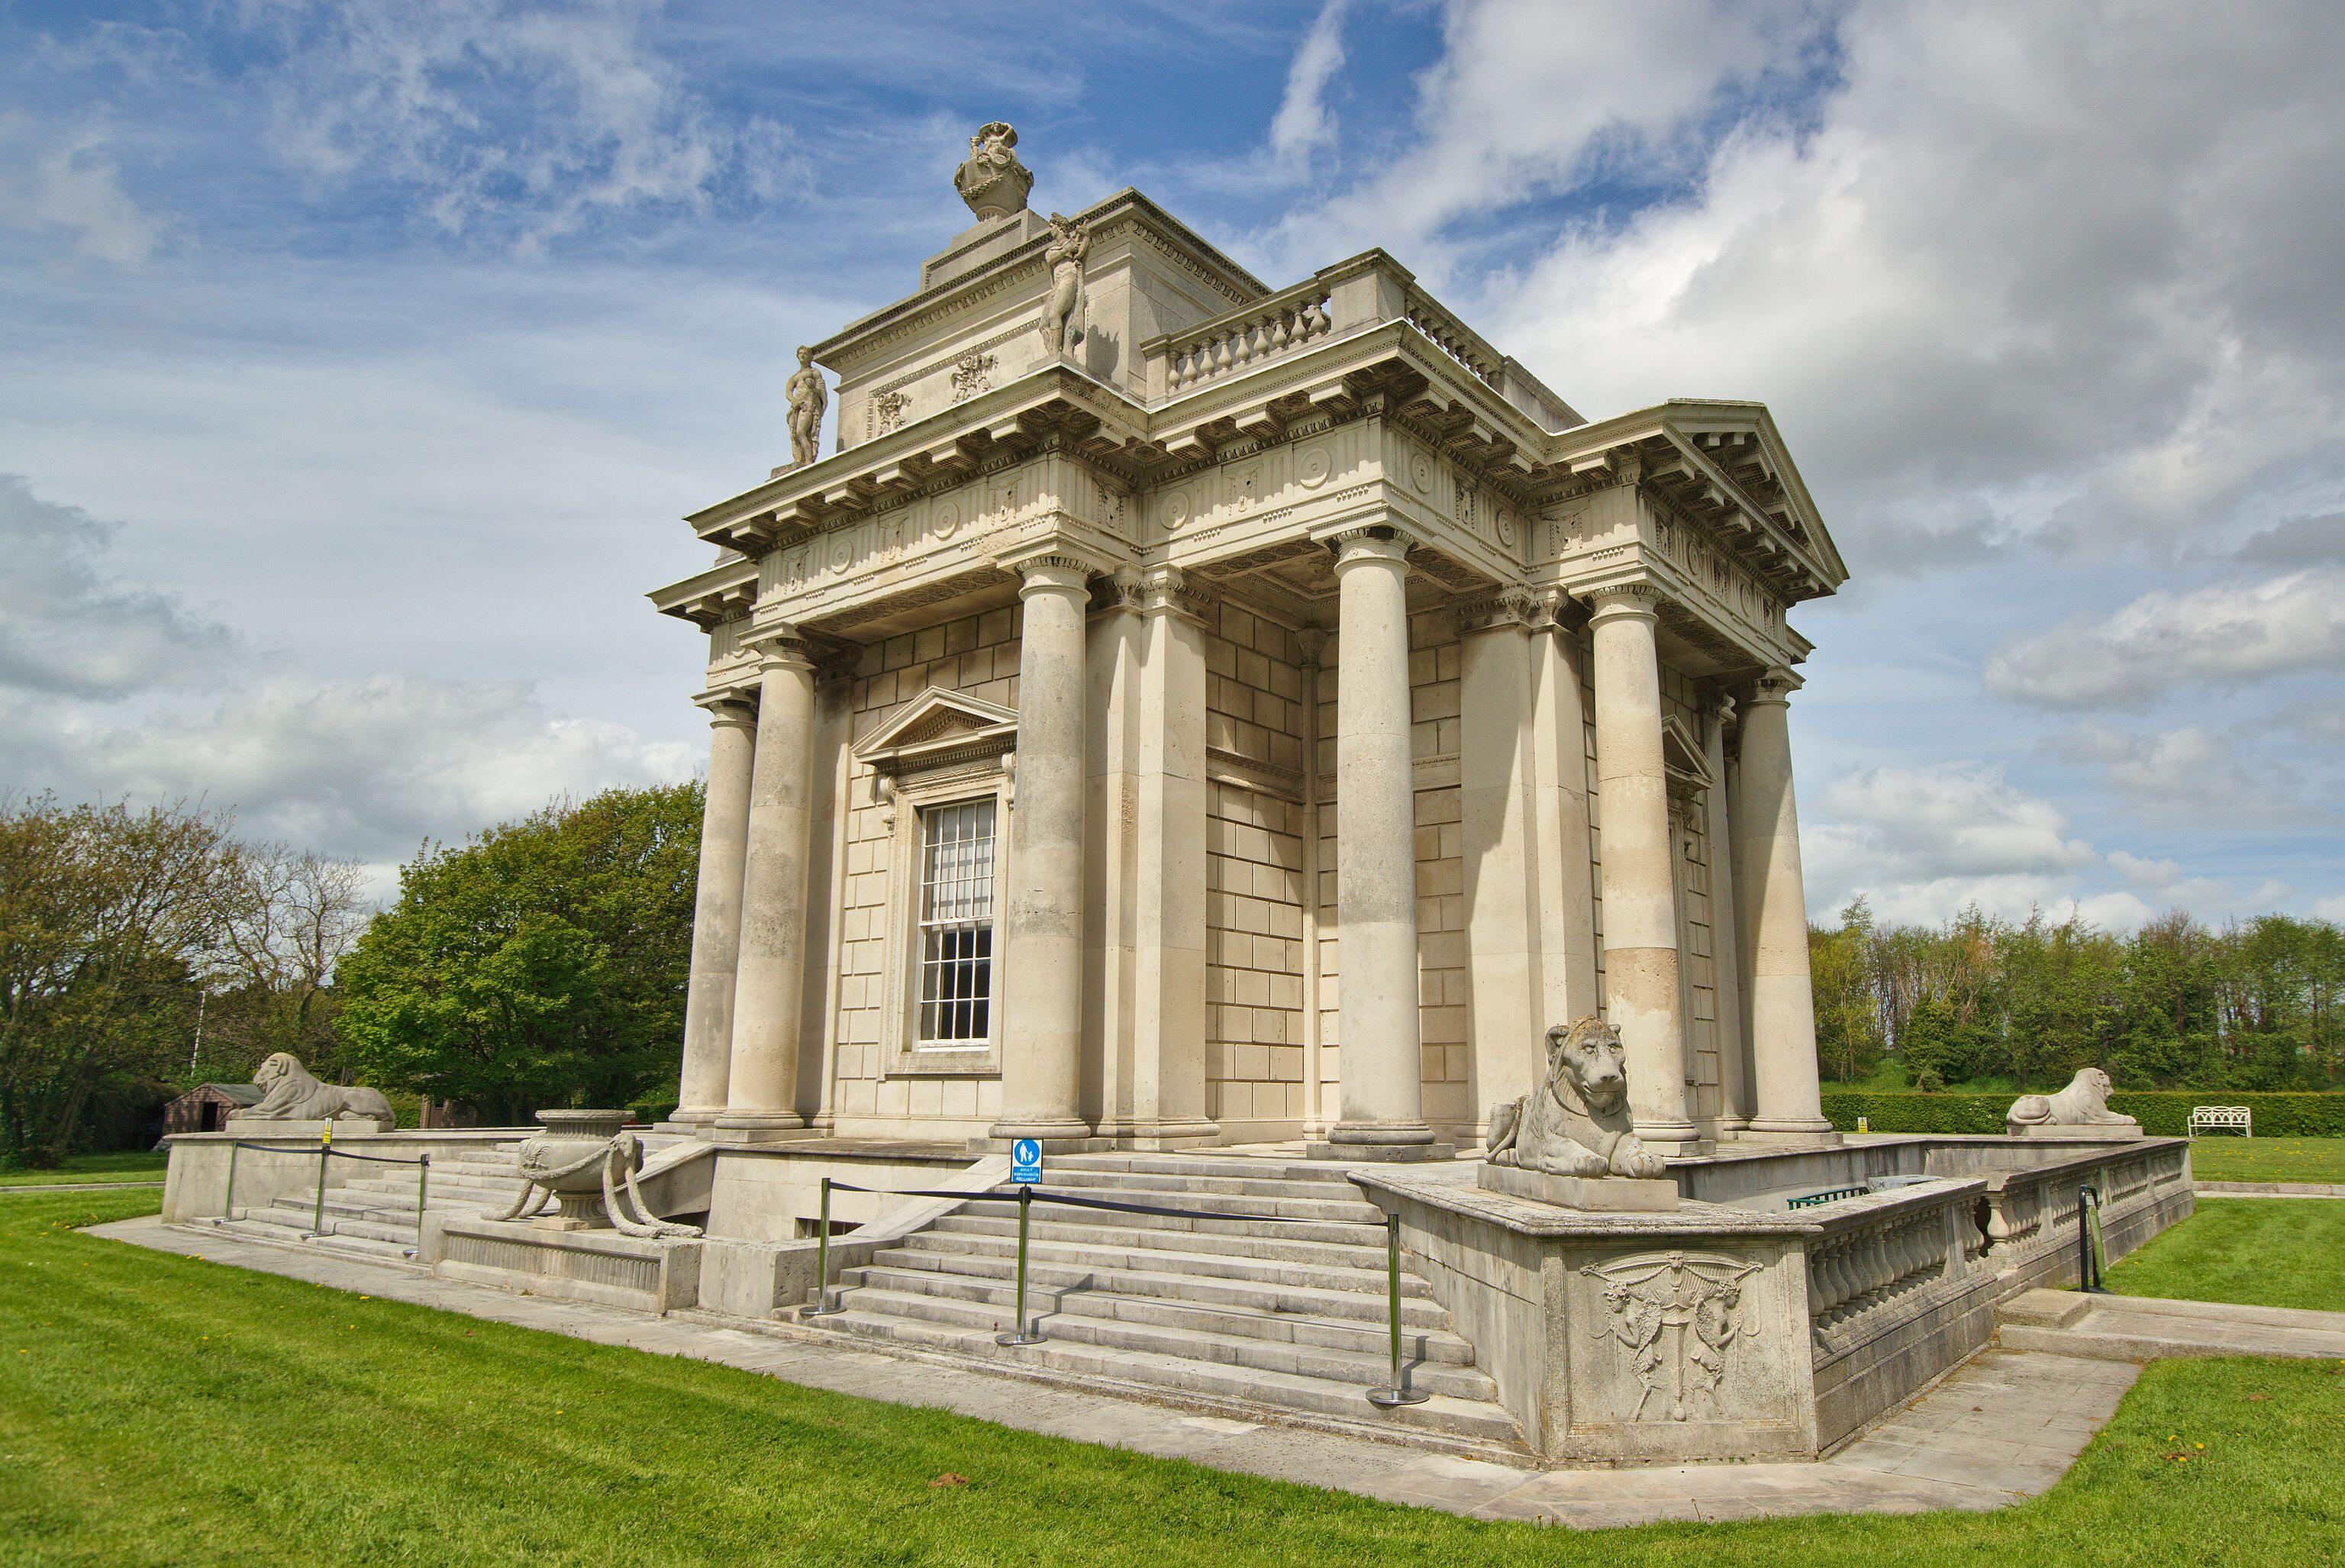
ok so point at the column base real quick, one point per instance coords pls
(1171, 1132)
(1057, 1134)
(1380, 1141)
(1669, 1138)
(1788, 1130)
(754, 1127)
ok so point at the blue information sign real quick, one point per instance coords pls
(1026, 1162)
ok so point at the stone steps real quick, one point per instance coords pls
(2148, 1328)
(1060, 1317)
(1285, 1315)
(1446, 1415)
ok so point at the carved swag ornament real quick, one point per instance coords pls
(1677, 1314)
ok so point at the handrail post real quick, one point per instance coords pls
(2088, 1262)
(318, 1215)
(228, 1202)
(1019, 1333)
(422, 1188)
(1398, 1393)
(822, 1307)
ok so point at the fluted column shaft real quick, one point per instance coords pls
(716, 913)
(761, 1091)
(1382, 1097)
(1643, 998)
(1042, 1013)
(1772, 917)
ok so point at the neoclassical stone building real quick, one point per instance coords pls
(1180, 711)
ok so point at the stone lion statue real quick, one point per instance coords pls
(290, 1093)
(2084, 1102)
(1577, 1122)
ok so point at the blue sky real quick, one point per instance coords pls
(361, 358)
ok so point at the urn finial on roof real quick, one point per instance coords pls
(991, 178)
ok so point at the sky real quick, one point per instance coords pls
(359, 361)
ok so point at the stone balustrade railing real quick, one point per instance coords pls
(1876, 1251)
(2033, 1212)
(1263, 329)
(1455, 339)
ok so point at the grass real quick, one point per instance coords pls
(2259, 1252)
(156, 1408)
(2268, 1159)
(138, 1165)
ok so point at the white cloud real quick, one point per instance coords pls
(2190, 774)
(518, 118)
(2224, 634)
(2143, 871)
(2332, 909)
(1303, 123)
(1921, 843)
(67, 628)
(65, 182)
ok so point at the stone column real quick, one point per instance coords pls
(716, 913)
(761, 1091)
(1042, 982)
(1562, 858)
(1168, 880)
(1496, 767)
(1381, 1103)
(1643, 998)
(1772, 918)
(1725, 920)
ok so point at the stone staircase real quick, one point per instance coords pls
(371, 1209)
(1243, 1313)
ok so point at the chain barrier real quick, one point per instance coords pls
(325, 1152)
(1023, 1332)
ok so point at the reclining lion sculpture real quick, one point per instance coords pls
(290, 1093)
(2084, 1102)
(1577, 1122)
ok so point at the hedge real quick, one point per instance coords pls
(2163, 1113)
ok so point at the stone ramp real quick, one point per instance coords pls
(2150, 1328)
(1281, 1307)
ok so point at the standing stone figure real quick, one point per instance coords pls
(1063, 314)
(808, 398)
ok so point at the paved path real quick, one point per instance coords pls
(2004, 1426)
(16, 1187)
(2267, 1189)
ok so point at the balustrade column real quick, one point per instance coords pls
(1771, 918)
(761, 1089)
(1641, 992)
(1042, 1013)
(716, 913)
(1380, 1106)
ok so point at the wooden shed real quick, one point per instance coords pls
(204, 1108)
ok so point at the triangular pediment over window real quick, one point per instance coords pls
(936, 730)
(1688, 767)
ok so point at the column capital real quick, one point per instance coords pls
(781, 647)
(1774, 687)
(1310, 644)
(1616, 601)
(737, 708)
(1052, 574)
(1505, 609)
(1368, 542)
(1170, 591)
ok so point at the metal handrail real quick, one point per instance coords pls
(1384, 1397)
(325, 1152)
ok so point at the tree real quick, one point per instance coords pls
(544, 962)
(105, 914)
(1846, 979)
(289, 917)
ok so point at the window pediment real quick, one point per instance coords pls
(1687, 766)
(939, 729)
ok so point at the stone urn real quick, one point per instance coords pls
(567, 1159)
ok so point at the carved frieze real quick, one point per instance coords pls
(1677, 1318)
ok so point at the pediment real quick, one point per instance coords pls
(938, 727)
(1685, 763)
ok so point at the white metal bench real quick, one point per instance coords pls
(2222, 1118)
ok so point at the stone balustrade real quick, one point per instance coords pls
(1454, 338)
(1240, 338)
(1875, 1252)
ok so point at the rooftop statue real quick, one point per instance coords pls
(808, 398)
(991, 180)
(1062, 312)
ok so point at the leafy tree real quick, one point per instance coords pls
(545, 962)
(106, 914)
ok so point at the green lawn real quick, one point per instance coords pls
(2268, 1159)
(135, 1166)
(156, 1409)
(2259, 1251)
